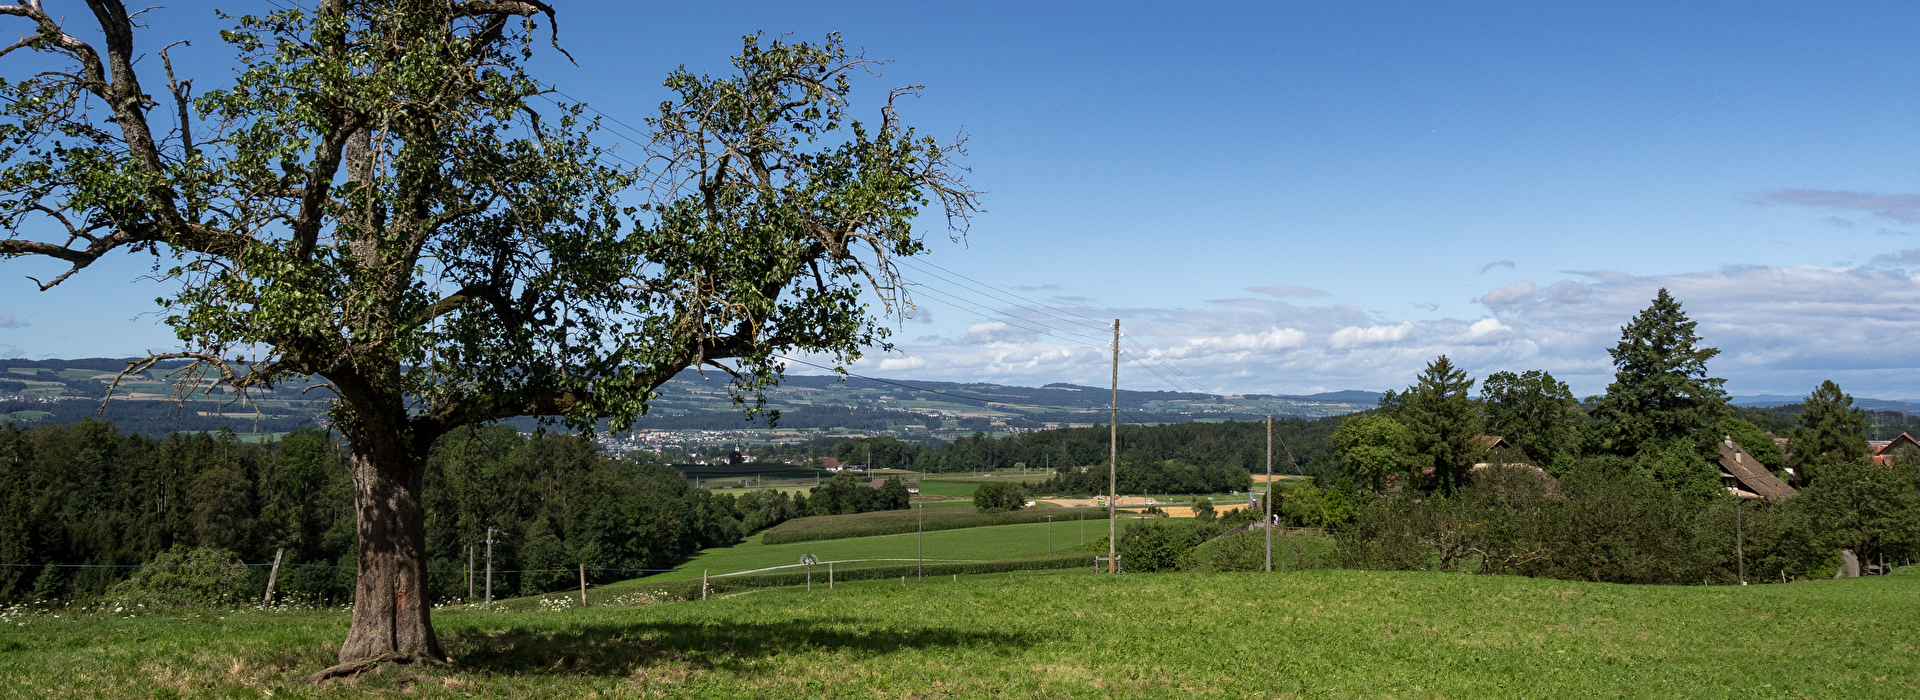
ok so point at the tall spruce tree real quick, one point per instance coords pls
(1661, 395)
(1827, 431)
(1443, 423)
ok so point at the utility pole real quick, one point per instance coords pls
(1113, 460)
(274, 574)
(1740, 539)
(489, 568)
(1269, 498)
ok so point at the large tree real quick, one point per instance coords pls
(386, 201)
(1661, 396)
(1827, 431)
(1443, 422)
(1536, 413)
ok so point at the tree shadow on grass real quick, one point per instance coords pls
(621, 649)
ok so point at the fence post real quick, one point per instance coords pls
(583, 585)
(829, 575)
(703, 583)
(271, 575)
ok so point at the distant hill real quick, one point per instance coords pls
(1908, 406)
(58, 391)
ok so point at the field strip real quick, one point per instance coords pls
(842, 561)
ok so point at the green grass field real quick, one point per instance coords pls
(893, 522)
(971, 544)
(1334, 634)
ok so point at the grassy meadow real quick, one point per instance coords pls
(890, 522)
(971, 544)
(1326, 633)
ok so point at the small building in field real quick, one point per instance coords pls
(1747, 478)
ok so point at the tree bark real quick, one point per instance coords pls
(390, 606)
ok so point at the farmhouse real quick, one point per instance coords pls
(1746, 477)
(912, 486)
(1884, 450)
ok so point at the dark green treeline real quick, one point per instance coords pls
(88, 494)
(1300, 445)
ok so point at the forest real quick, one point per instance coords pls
(90, 494)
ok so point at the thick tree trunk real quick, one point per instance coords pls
(390, 606)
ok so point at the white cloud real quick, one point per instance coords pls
(989, 332)
(1484, 330)
(901, 364)
(1354, 335)
(1779, 329)
(8, 321)
(1904, 208)
(1275, 338)
(1287, 290)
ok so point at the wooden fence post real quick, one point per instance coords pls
(703, 583)
(829, 576)
(583, 585)
(272, 574)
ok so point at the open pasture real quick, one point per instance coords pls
(888, 522)
(1337, 634)
(971, 544)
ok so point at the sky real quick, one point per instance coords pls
(1302, 197)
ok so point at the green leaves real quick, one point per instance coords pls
(1661, 392)
(1829, 431)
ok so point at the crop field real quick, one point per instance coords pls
(971, 544)
(1339, 634)
(888, 522)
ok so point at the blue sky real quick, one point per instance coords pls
(1292, 197)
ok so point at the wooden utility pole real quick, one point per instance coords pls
(1113, 460)
(1740, 540)
(1269, 498)
(272, 575)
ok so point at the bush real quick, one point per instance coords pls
(1247, 551)
(1158, 545)
(1000, 496)
(182, 578)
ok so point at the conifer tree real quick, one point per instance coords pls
(1661, 394)
(1828, 431)
(1443, 423)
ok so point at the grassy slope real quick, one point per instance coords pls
(1303, 634)
(998, 542)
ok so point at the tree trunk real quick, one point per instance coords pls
(390, 606)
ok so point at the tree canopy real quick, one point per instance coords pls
(384, 198)
(1661, 392)
(1827, 431)
(1536, 413)
(1443, 422)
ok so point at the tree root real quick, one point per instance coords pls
(359, 666)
